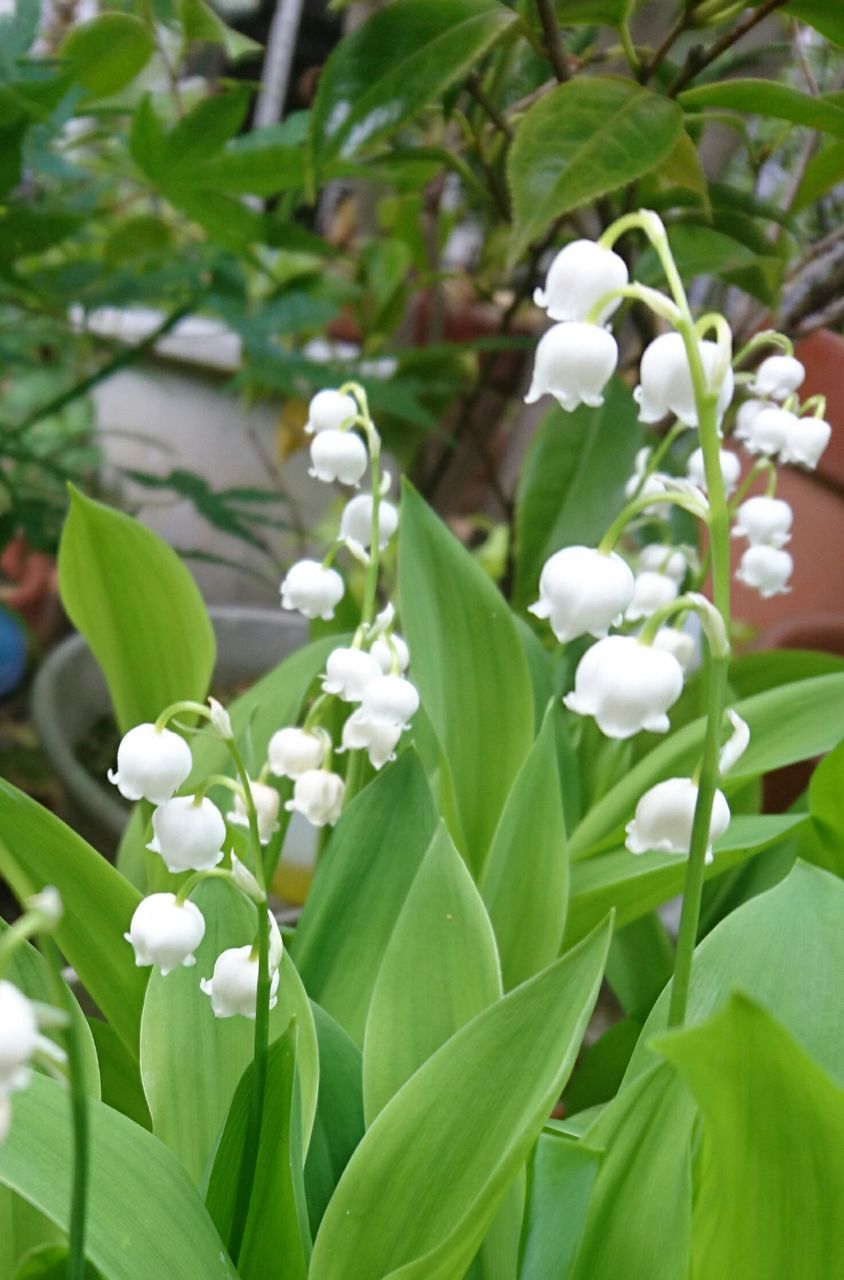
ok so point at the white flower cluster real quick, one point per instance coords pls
(629, 682)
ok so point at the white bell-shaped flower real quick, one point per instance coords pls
(778, 377)
(657, 558)
(348, 672)
(767, 570)
(391, 653)
(390, 698)
(805, 441)
(579, 276)
(233, 986)
(356, 522)
(18, 1038)
(765, 522)
(665, 380)
(329, 411)
(746, 416)
(165, 932)
(151, 764)
(318, 796)
(574, 362)
(378, 737)
(650, 592)
(267, 803)
(627, 686)
(664, 817)
(767, 431)
(293, 751)
(188, 835)
(730, 469)
(338, 455)
(582, 591)
(683, 645)
(311, 589)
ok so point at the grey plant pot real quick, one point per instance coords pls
(69, 694)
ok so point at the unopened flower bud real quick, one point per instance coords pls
(151, 764)
(666, 385)
(730, 469)
(765, 522)
(294, 751)
(378, 737)
(392, 654)
(329, 411)
(664, 818)
(348, 672)
(683, 645)
(574, 362)
(356, 522)
(18, 1039)
(390, 698)
(338, 455)
(311, 589)
(627, 686)
(165, 932)
(233, 986)
(805, 441)
(651, 591)
(766, 569)
(737, 743)
(657, 558)
(48, 903)
(318, 796)
(189, 836)
(767, 430)
(778, 377)
(220, 721)
(579, 276)
(582, 591)
(267, 802)
(245, 880)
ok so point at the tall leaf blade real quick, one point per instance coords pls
(470, 666)
(138, 608)
(440, 969)
(460, 1130)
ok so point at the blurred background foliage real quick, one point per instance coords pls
(385, 208)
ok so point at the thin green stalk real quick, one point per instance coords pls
(252, 1137)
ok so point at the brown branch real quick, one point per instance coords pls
(554, 39)
(698, 61)
(476, 89)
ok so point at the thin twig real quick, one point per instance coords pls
(697, 61)
(475, 87)
(554, 39)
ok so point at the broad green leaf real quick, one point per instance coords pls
(572, 482)
(698, 251)
(785, 949)
(771, 1167)
(825, 16)
(641, 961)
(253, 171)
(598, 1075)
(397, 62)
(633, 884)
(581, 140)
(338, 1124)
(767, 98)
(51, 1263)
(37, 849)
(439, 970)
(145, 1220)
(200, 134)
(22, 1230)
(612, 12)
(638, 1221)
(823, 173)
(360, 885)
(107, 53)
(470, 667)
(138, 608)
(120, 1076)
(276, 1238)
(200, 22)
(793, 722)
(560, 1179)
(826, 805)
(461, 1128)
(683, 168)
(525, 880)
(191, 1061)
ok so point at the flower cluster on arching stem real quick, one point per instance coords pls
(637, 584)
(364, 676)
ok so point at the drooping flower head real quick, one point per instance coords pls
(189, 836)
(311, 589)
(627, 686)
(152, 764)
(664, 818)
(579, 276)
(574, 362)
(165, 932)
(582, 591)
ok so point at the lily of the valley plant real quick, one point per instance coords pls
(499, 811)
